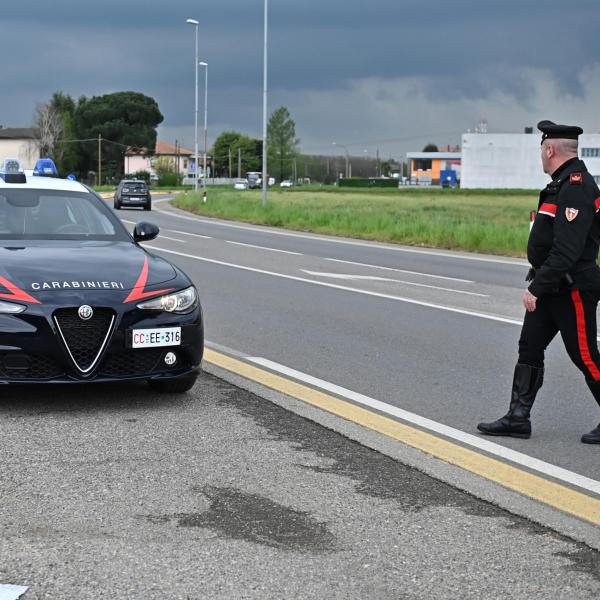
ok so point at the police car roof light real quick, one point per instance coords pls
(45, 167)
(12, 172)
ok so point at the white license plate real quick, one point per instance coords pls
(155, 338)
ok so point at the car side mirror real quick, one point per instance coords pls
(144, 232)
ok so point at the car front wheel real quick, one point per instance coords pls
(174, 386)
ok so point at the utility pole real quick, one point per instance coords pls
(99, 159)
(239, 163)
(377, 171)
(265, 183)
(229, 162)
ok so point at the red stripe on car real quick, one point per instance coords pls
(138, 293)
(16, 293)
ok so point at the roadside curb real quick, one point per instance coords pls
(454, 476)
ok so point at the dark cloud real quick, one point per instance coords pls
(465, 54)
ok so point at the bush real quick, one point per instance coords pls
(169, 178)
(368, 182)
(143, 175)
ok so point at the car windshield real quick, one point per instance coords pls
(30, 214)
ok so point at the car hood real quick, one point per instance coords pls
(59, 266)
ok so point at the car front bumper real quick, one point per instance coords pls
(32, 350)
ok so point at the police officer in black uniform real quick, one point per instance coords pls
(565, 280)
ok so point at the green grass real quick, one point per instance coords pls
(491, 221)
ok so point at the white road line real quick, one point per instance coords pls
(264, 248)
(452, 309)
(205, 237)
(519, 458)
(381, 246)
(11, 592)
(358, 264)
(372, 278)
(166, 237)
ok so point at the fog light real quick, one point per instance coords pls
(170, 359)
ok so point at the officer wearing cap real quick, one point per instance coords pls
(564, 288)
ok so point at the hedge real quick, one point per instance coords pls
(368, 182)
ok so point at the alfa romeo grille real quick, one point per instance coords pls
(84, 340)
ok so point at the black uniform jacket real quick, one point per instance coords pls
(563, 243)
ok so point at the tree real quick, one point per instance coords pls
(227, 144)
(67, 152)
(282, 143)
(49, 127)
(123, 119)
(430, 148)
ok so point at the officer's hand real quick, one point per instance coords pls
(529, 301)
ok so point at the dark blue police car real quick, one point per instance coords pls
(81, 300)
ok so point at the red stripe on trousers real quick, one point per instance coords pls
(582, 336)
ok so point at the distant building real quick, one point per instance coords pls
(512, 160)
(21, 143)
(427, 168)
(181, 159)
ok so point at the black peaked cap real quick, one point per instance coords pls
(553, 130)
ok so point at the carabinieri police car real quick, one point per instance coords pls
(80, 299)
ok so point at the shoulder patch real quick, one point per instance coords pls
(571, 213)
(576, 179)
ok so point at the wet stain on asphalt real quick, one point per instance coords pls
(584, 560)
(257, 519)
(380, 476)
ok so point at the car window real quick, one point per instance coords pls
(134, 186)
(43, 214)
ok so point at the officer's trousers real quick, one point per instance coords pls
(573, 314)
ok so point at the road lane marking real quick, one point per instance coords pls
(166, 237)
(205, 237)
(460, 311)
(264, 248)
(529, 484)
(378, 246)
(358, 264)
(525, 460)
(373, 278)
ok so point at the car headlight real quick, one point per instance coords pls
(179, 302)
(8, 308)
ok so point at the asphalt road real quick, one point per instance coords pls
(121, 493)
(432, 332)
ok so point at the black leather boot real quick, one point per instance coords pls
(526, 383)
(593, 437)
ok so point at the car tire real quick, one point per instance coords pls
(148, 207)
(117, 206)
(174, 386)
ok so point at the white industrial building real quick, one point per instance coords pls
(19, 143)
(512, 160)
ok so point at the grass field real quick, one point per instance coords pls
(491, 221)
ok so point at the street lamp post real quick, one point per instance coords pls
(347, 156)
(195, 23)
(265, 57)
(205, 65)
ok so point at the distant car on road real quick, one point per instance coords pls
(286, 183)
(133, 192)
(241, 184)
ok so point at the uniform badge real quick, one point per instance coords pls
(576, 179)
(571, 213)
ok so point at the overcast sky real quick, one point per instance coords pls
(387, 74)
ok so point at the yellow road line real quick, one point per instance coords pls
(534, 486)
